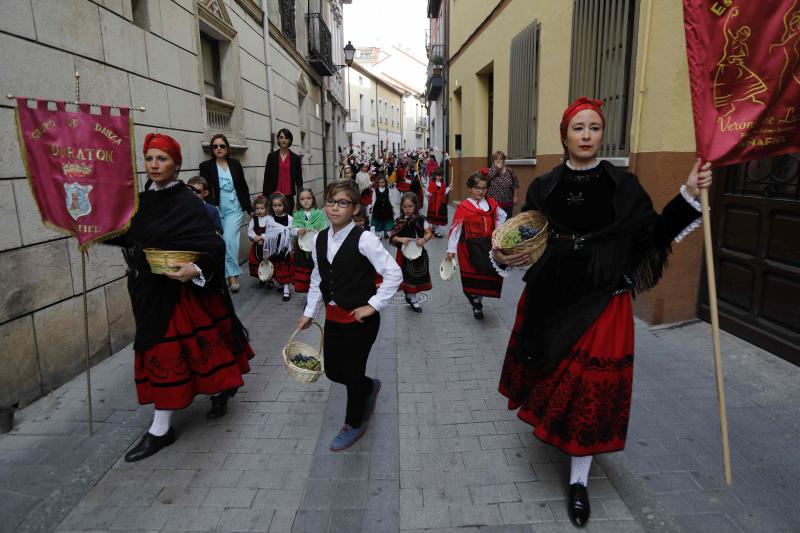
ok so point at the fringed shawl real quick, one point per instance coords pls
(317, 220)
(475, 222)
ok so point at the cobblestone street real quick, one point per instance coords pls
(443, 452)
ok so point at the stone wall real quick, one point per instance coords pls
(154, 64)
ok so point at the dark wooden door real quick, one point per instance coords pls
(756, 233)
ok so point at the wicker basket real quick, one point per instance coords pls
(536, 246)
(293, 348)
(164, 260)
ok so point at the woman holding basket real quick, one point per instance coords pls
(569, 362)
(188, 339)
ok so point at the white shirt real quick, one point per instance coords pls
(370, 247)
(251, 229)
(455, 230)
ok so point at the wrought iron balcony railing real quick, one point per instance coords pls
(319, 45)
(287, 20)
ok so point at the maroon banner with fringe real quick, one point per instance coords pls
(744, 70)
(80, 166)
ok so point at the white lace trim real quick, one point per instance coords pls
(200, 280)
(691, 200)
(503, 272)
(587, 167)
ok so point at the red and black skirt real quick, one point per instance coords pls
(302, 266)
(283, 269)
(437, 209)
(255, 257)
(478, 277)
(583, 406)
(197, 355)
(416, 273)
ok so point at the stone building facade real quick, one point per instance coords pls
(199, 67)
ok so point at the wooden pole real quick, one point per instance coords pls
(712, 301)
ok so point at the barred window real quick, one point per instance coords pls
(603, 39)
(523, 95)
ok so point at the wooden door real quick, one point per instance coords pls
(756, 233)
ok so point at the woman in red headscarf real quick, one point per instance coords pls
(188, 338)
(569, 363)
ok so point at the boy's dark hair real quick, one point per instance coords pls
(197, 180)
(276, 196)
(411, 197)
(347, 186)
(475, 178)
(380, 176)
(439, 172)
(313, 197)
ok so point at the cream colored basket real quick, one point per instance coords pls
(535, 246)
(293, 348)
(161, 261)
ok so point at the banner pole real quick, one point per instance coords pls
(712, 302)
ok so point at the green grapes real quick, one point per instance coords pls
(306, 362)
(512, 238)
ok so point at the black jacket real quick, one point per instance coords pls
(208, 169)
(271, 173)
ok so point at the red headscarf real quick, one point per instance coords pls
(577, 106)
(165, 143)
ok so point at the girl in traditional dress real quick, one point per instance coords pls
(307, 218)
(569, 362)
(471, 238)
(364, 184)
(255, 232)
(278, 243)
(188, 340)
(411, 226)
(382, 210)
(437, 201)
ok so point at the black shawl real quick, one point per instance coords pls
(170, 219)
(570, 286)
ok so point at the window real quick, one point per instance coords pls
(603, 37)
(141, 13)
(361, 110)
(212, 81)
(287, 20)
(361, 81)
(523, 98)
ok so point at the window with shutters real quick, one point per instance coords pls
(523, 98)
(603, 39)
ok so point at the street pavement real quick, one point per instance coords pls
(442, 453)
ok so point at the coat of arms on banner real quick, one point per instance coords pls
(78, 203)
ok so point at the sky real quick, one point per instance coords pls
(387, 22)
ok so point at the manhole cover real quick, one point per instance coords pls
(399, 298)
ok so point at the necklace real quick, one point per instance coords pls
(575, 199)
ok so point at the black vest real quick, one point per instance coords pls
(350, 279)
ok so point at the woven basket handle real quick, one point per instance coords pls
(321, 337)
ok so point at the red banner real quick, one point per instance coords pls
(80, 167)
(744, 70)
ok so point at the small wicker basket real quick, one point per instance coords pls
(536, 246)
(164, 260)
(293, 348)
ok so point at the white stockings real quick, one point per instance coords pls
(161, 422)
(580, 470)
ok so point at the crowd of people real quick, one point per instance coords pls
(569, 363)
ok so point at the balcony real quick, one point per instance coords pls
(435, 82)
(319, 45)
(218, 113)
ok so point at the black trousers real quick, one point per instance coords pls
(347, 348)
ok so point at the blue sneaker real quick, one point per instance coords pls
(347, 437)
(372, 399)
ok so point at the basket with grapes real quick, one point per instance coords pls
(526, 232)
(303, 363)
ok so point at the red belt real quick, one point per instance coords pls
(334, 313)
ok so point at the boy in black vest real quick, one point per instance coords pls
(346, 258)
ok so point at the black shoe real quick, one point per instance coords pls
(408, 299)
(149, 445)
(438, 235)
(578, 505)
(415, 307)
(476, 304)
(286, 296)
(219, 404)
(477, 313)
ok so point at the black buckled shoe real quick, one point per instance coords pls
(219, 404)
(578, 507)
(149, 445)
(415, 307)
(477, 313)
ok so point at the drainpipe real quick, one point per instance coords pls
(446, 98)
(268, 60)
(324, 145)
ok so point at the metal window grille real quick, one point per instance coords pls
(524, 93)
(287, 20)
(603, 39)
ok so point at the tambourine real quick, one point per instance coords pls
(265, 270)
(447, 268)
(411, 250)
(306, 241)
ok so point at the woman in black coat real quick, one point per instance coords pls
(284, 171)
(229, 192)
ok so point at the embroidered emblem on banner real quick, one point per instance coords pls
(78, 203)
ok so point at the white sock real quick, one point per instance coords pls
(285, 288)
(580, 470)
(161, 422)
(413, 298)
(478, 299)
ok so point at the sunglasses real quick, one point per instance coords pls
(197, 191)
(219, 146)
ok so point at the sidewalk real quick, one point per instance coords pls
(443, 452)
